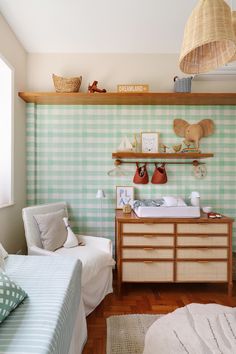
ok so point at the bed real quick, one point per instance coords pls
(194, 329)
(52, 319)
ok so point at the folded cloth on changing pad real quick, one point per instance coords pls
(147, 202)
(164, 201)
(194, 329)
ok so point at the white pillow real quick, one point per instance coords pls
(173, 201)
(3, 252)
(71, 240)
(3, 255)
(2, 265)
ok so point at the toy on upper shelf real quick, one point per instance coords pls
(193, 132)
(93, 88)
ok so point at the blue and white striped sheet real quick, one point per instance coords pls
(44, 322)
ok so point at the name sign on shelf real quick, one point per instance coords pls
(139, 88)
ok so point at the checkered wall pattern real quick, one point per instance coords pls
(69, 154)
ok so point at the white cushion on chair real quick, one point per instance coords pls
(53, 232)
(32, 232)
(92, 258)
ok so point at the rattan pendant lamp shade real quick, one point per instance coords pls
(209, 40)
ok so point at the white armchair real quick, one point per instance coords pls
(96, 255)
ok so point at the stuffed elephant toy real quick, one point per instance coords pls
(193, 132)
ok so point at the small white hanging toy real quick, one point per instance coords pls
(71, 240)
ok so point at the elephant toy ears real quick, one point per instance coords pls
(179, 126)
(207, 126)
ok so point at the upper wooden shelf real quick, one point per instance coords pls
(137, 155)
(114, 98)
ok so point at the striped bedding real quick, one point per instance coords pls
(44, 322)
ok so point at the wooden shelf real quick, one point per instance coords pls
(114, 98)
(138, 155)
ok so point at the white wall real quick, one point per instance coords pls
(157, 70)
(11, 226)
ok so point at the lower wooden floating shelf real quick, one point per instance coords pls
(138, 155)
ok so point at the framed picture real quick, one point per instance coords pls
(149, 142)
(124, 195)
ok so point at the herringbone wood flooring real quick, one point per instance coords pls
(149, 298)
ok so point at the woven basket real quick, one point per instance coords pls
(70, 84)
(209, 40)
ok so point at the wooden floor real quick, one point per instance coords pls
(149, 298)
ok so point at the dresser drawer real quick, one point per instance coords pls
(148, 228)
(194, 253)
(150, 253)
(202, 228)
(202, 241)
(148, 240)
(201, 271)
(145, 272)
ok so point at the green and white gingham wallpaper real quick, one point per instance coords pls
(69, 154)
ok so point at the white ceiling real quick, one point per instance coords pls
(98, 26)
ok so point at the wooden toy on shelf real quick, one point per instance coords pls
(93, 88)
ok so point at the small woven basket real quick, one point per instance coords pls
(63, 84)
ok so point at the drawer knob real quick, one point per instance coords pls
(148, 248)
(147, 261)
(203, 261)
(148, 235)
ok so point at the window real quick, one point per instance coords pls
(6, 141)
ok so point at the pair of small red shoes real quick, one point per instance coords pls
(159, 175)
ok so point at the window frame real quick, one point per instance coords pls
(12, 142)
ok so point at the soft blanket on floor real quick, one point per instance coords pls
(194, 329)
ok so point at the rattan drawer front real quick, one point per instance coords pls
(194, 253)
(148, 228)
(202, 228)
(148, 240)
(202, 241)
(147, 253)
(151, 271)
(201, 271)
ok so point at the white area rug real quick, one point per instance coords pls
(126, 333)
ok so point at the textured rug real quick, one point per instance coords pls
(126, 333)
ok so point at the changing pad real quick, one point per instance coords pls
(160, 208)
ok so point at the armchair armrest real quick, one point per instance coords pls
(101, 243)
(37, 251)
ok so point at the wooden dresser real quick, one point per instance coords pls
(174, 249)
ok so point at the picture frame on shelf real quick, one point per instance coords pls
(149, 142)
(124, 195)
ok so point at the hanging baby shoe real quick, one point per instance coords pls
(159, 175)
(141, 174)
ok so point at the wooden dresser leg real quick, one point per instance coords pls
(230, 289)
